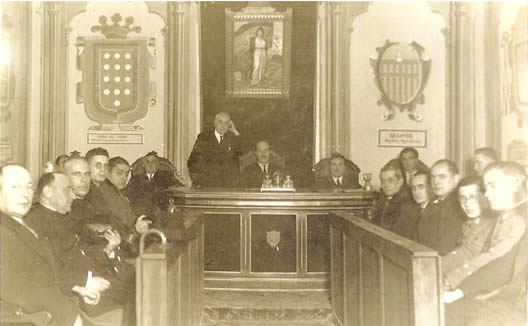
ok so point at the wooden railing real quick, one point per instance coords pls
(381, 278)
(169, 279)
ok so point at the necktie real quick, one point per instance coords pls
(265, 170)
(338, 181)
(221, 139)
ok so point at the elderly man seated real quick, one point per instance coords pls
(253, 174)
(77, 259)
(144, 190)
(27, 277)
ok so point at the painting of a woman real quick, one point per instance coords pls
(258, 54)
(258, 48)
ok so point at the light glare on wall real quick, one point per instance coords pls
(4, 53)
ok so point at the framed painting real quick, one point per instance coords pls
(258, 48)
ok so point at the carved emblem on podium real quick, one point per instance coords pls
(116, 89)
(273, 239)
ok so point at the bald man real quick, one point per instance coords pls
(214, 158)
(27, 277)
(252, 175)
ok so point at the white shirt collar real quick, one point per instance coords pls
(18, 219)
(24, 224)
(262, 165)
(338, 178)
(50, 208)
(218, 135)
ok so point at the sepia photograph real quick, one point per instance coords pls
(263, 163)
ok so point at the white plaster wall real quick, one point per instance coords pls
(398, 22)
(510, 129)
(153, 124)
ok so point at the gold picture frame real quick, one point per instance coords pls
(258, 53)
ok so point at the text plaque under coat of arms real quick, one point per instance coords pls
(116, 87)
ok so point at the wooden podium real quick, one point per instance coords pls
(272, 241)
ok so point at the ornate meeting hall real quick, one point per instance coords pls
(263, 163)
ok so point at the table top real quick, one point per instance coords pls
(238, 197)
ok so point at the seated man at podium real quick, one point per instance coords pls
(253, 174)
(214, 158)
(338, 179)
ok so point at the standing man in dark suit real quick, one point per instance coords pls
(442, 220)
(144, 190)
(214, 158)
(495, 294)
(253, 174)
(27, 276)
(337, 178)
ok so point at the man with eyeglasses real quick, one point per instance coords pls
(476, 230)
(495, 294)
(393, 196)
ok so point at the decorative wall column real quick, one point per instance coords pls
(54, 82)
(492, 69)
(183, 114)
(331, 113)
(460, 115)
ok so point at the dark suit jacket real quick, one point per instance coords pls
(408, 219)
(212, 164)
(75, 257)
(118, 204)
(328, 183)
(99, 203)
(420, 167)
(252, 175)
(441, 224)
(27, 276)
(94, 210)
(146, 195)
(386, 212)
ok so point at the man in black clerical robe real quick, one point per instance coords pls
(77, 258)
(393, 196)
(27, 277)
(214, 158)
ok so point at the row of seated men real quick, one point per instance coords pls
(477, 224)
(72, 254)
(217, 160)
